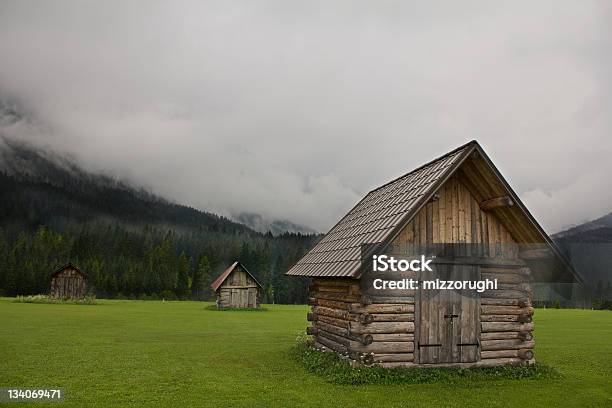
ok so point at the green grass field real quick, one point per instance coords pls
(177, 354)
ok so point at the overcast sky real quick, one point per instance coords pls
(295, 110)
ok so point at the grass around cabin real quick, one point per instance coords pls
(178, 354)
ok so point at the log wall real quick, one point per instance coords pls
(506, 316)
(364, 333)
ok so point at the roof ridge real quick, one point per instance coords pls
(429, 163)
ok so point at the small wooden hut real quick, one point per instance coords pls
(68, 282)
(236, 287)
(461, 213)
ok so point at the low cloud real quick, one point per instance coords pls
(295, 110)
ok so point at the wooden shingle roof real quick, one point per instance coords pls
(384, 211)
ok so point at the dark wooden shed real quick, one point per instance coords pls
(236, 287)
(68, 282)
(460, 213)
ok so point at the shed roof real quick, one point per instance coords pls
(68, 265)
(221, 278)
(384, 211)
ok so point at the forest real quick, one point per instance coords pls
(129, 242)
(148, 263)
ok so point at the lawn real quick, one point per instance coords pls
(177, 354)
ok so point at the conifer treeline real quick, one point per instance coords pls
(149, 262)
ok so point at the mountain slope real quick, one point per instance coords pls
(39, 187)
(589, 248)
(599, 230)
(261, 224)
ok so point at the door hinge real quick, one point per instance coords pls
(428, 345)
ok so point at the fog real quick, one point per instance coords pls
(294, 110)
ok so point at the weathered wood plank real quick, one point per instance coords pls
(392, 317)
(345, 324)
(338, 297)
(507, 310)
(489, 345)
(395, 357)
(331, 312)
(385, 347)
(381, 308)
(524, 302)
(337, 347)
(332, 304)
(393, 337)
(525, 335)
(382, 327)
(499, 327)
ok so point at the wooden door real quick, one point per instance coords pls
(449, 320)
(244, 301)
(252, 297)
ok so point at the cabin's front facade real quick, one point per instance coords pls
(458, 212)
(68, 282)
(236, 287)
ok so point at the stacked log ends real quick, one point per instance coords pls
(366, 333)
(525, 354)
(506, 320)
(524, 319)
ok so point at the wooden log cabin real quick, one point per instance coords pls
(461, 213)
(236, 287)
(68, 282)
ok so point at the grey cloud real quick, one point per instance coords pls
(295, 109)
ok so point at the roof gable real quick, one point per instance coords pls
(382, 214)
(67, 266)
(221, 278)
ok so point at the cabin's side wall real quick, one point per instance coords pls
(364, 333)
(68, 283)
(239, 290)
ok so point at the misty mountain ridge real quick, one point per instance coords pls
(589, 248)
(263, 224)
(9, 113)
(599, 230)
(31, 173)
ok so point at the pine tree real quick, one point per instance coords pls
(201, 278)
(182, 281)
(3, 262)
